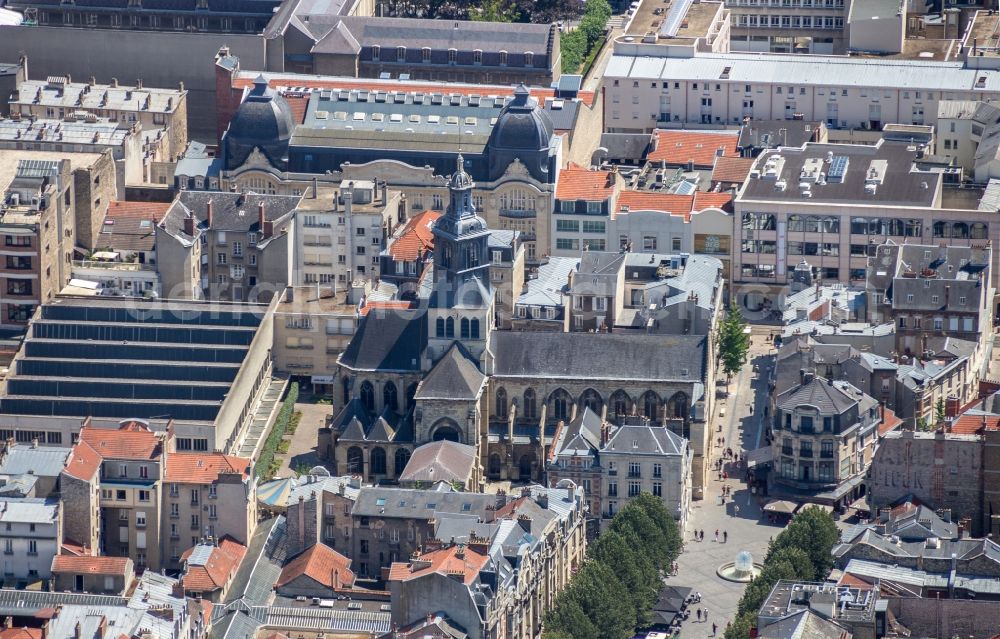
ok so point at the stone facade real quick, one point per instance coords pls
(938, 469)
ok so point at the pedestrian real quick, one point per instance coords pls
(725, 475)
(698, 613)
(703, 534)
(713, 629)
(716, 535)
(736, 510)
(725, 535)
(706, 614)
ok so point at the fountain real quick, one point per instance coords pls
(743, 570)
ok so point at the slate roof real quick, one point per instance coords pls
(412, 33)
(826, 396)
(46, 461)
(440, 461)
(803, 623)
(644, 439)
(455, 376)
(418, 504)
(320, 563)
(546, 289)
(230, 211)
(581, 437)
(392, 340)
(599, 356)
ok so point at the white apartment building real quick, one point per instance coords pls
(827, 203)
(31, 535)
(646, 89)
(342, 230)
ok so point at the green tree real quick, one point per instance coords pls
(799, 560)
(814, 531)
(640, 580)
(495, 11)
(734, 344)
(572, 50)
(567, 618)
(557, 634)
(654, 544)
(758, 589)
(741, 626)
(664, 520)
(939, 413)
(605, 601)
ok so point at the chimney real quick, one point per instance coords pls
(34, 442)
(817, 290)
(208, 214)
(8, 622)
(92, 81)
(114, 82)
(952, 407)
(806, 376)
(189, 225)
(570, 492)
(138, 83)
(180, 86)
(261, 219)
(315, 187)
(524, 522)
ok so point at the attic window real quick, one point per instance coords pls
(635, 443)
(432, 506)
(380, 501)
(466, 507)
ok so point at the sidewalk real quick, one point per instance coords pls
(699, 561)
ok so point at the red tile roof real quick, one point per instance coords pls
(578, 183)
(416, 238)
(449, 561)
(141, 210)
(373, 84)
(21, 633)
(73, 549)
(386, 305)
(854, 581)
(91, 565)
(83, 462)
(973, 424)
(889, 422)
(677, 148)
(203, 468)
(132, 440)
(218, 569)
(672, 203)
(704, 200)
(298, 105)
(728, 169)
(322, 564)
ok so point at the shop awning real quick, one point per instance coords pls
(781, 507)
(759, 457)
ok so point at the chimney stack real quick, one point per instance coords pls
(208, 214)
(315, 187)
(114, 82)
(138, 83)
(261, 219)
(189, 225)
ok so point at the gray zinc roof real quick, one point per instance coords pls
(418, 504)
(600, 356)
(823, 394)
(644, 439)
(454, 377)
(45, 461)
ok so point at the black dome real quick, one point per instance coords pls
(521, 125)
(263, 121)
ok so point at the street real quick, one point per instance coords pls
(699, 560)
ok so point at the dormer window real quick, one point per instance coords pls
(503, 58)
(376, 53)
(400, 54)
(425, 54)
(477, 56)
(529, 59)
(452, 56)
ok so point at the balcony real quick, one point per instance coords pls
(806, 453)
(787, 450)
(518, 213)
(826, 454)
(634, 474)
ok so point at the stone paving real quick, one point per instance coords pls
(699, 561)
(302, 448)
